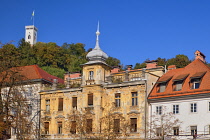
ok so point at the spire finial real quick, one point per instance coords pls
(97, 37)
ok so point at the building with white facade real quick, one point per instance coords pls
(182, 95)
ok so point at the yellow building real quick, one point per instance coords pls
(101, 103)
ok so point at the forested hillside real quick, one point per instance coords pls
(54, 59)
(57, 60)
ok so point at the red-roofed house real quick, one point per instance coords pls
(29, 81)
(185, 92)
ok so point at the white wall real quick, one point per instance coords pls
(201, 118)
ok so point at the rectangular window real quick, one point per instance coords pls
(117, 99)
(158, 132)
(133, 124)
(134, 98)
(59, 127)
(74, 102)
(195, 83)
(159, 110)
(47, 102)
(116, 125)
(90, 99)
(162, 87)
(60, 104)
(175, 109)
(193, 130)
(46, 127)
(176, 130)
(91, 73)
(178, 85)
(209, 106)
(209, 129)
(73, 127)
(193, 107)
(89, 125)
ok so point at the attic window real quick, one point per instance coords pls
(195, 83)
(178, 85)
(196, 80)
(161, 87)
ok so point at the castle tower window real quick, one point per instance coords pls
(91, 74)
(59, 127)
(117, 99)
(134, 98)
(89, 125)
(46, 127)
(29, 36)
(90, 99)
(60, 104)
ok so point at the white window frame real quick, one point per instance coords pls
(159, 110)
(91, 75)
(193, 107)
(175, 109)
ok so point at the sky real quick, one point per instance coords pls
(131, 30)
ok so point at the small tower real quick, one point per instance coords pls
(31, 34)
(96, 69)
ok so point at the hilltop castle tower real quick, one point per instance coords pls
(31, 34)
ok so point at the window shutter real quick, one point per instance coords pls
(73, 127)
(74, 102)
(89, 125)
(117, 125)
(60, 104)
(90, 99)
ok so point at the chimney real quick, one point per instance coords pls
(151, 64)
(54, 86)
(115, 69)
(171, 67)
(200, 55)
(129, 67)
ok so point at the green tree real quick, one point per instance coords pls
(140, 65)
(180, 61)
(111, 61)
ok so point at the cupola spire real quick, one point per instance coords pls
(97, 54)
(97, 37)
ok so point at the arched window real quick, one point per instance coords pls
(29, 36)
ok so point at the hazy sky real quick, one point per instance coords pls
(131, 30)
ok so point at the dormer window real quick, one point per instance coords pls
(178, 85)
(162, 83)
(178, 82)
(195, 83)
(196, 80)
(91, 73)
(162, 87)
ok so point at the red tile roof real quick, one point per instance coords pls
(197, 68)
(33, 72)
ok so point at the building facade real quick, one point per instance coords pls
(24, 100)
(99, 102)
(181, 97)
